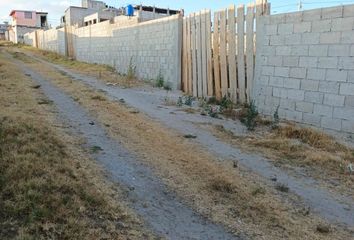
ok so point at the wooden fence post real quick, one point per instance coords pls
(250, 49)
(216, 52)
(241, 52)
(232, 53)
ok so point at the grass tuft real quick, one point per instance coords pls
(99, 98)
(222, 185)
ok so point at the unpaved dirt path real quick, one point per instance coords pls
(333, 207)
(161, 209)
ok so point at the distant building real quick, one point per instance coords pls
(92, 4)
(146, 13)
(96, 11)
(99, 17)
(75, 16)
(92, 12)
(3, 30)
(24, 22)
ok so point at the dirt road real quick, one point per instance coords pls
(182, 188)
(160, 208)
(336, 208)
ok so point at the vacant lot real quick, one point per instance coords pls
(49, 188)
(239, 200)
(210, 187)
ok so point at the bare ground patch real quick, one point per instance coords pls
(222, 193)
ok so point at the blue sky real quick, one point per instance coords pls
(57, 7)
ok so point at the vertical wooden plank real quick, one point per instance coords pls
(259, 12)
(268, 7)
(204, 55)
(232, 53)
(209, 54)
(249, 49)
(189, 57)
(241, 52)
(184, 56)
(259, 8)
(199, 55)
(216, 58)
(223, 49)
(36, 39)
(194, 55)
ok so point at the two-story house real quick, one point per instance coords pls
(24, 22)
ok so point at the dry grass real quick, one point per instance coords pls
(21, 56)
(214, 189)
(5, 43)
(299, 147)
(103, 72)
(49, 189)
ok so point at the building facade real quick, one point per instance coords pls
(24, 22)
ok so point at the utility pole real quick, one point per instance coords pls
(300, 5)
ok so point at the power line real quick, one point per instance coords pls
(339, 2)
(299, 5)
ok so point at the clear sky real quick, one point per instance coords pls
(56, 8)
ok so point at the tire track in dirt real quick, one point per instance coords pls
(149, 197)
(337, 209)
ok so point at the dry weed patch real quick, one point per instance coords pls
(299, 147)
(103, 72)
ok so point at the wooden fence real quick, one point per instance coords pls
(218, 55)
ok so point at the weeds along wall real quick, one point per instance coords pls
(151, 47)
(305, 65)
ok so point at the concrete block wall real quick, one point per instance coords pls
(30, 39)
(51, 40)
(153, 46)
(305, 65)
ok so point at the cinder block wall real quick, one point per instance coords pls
(51, 40)
(305, 65)
(153, 47)
(30, 39)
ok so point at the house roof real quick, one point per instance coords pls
(75, 7)
(13, 11)
(157, 10)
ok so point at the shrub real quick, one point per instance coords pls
(226, 102)
(251, 116)
(276, 120)
(180, 102)
(160, 82)
(131, 70)
(189, 101)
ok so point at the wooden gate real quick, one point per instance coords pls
(218, 55)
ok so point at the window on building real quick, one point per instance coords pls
(28, 15)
